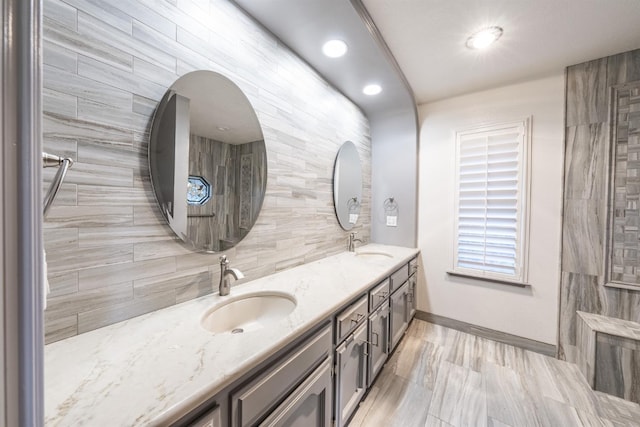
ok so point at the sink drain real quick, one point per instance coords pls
(237, 331)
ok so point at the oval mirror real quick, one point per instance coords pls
(208, 161)
(347, 185)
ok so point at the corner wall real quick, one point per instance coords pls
(526, 312)
(106, 65)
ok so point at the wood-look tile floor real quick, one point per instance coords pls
(441, 377)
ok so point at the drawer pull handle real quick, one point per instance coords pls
(383, 295)
(377, 338)
(359, 317)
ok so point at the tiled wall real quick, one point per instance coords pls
(588, 145)
(106, 65)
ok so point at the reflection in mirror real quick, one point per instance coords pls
(347, 185)
(208, 161)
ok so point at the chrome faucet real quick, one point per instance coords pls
(225, 272)
(352, 242)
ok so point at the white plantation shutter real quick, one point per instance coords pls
(490, 201)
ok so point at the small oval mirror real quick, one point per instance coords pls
(208, 161)
(347, 185)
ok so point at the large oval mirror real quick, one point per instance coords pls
(347, 185)
(208, 161)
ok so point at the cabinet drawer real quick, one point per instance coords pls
(253, 401)
(351, 317)
(399, 277)
(378, 294)
(413, 265)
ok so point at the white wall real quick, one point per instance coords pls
(527, 312)
(394, 137)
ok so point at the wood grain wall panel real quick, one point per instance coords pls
(587, 150)
(587, 94)
(106, 66)
(583, 240)
(579, 292)
(586, 161)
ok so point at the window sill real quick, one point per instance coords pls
(490, 279)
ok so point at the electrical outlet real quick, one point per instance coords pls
(392, 221)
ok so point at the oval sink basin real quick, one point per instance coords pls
(373, 255)
(248, 312)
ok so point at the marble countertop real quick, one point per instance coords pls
(153, 369)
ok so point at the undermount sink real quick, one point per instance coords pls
(248, 312)
(373, 254)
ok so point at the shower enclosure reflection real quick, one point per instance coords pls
(208, 161)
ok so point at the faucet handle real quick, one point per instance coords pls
(224, 260)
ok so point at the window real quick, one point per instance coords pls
(491, 202)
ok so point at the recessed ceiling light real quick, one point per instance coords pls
(372, 89)
(223, 128)
(484, 38)
(334, 48)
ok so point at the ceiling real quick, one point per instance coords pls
(541, 37)
(427, 39)
(305, 25)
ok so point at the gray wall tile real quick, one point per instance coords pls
(107, 11)
(103, 276)
(112, 313)
(59, 329)
(63, 14)
(111, 255)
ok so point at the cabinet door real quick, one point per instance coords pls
(210, 419)
(412, 296)
(378, 341)
(351, 374)
(399, 314)
(309, 405)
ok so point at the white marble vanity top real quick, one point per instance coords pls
(153, 369)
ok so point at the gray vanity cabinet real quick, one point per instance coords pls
(351, 364)
(399, 318)
(378, 341)
(309, 405)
